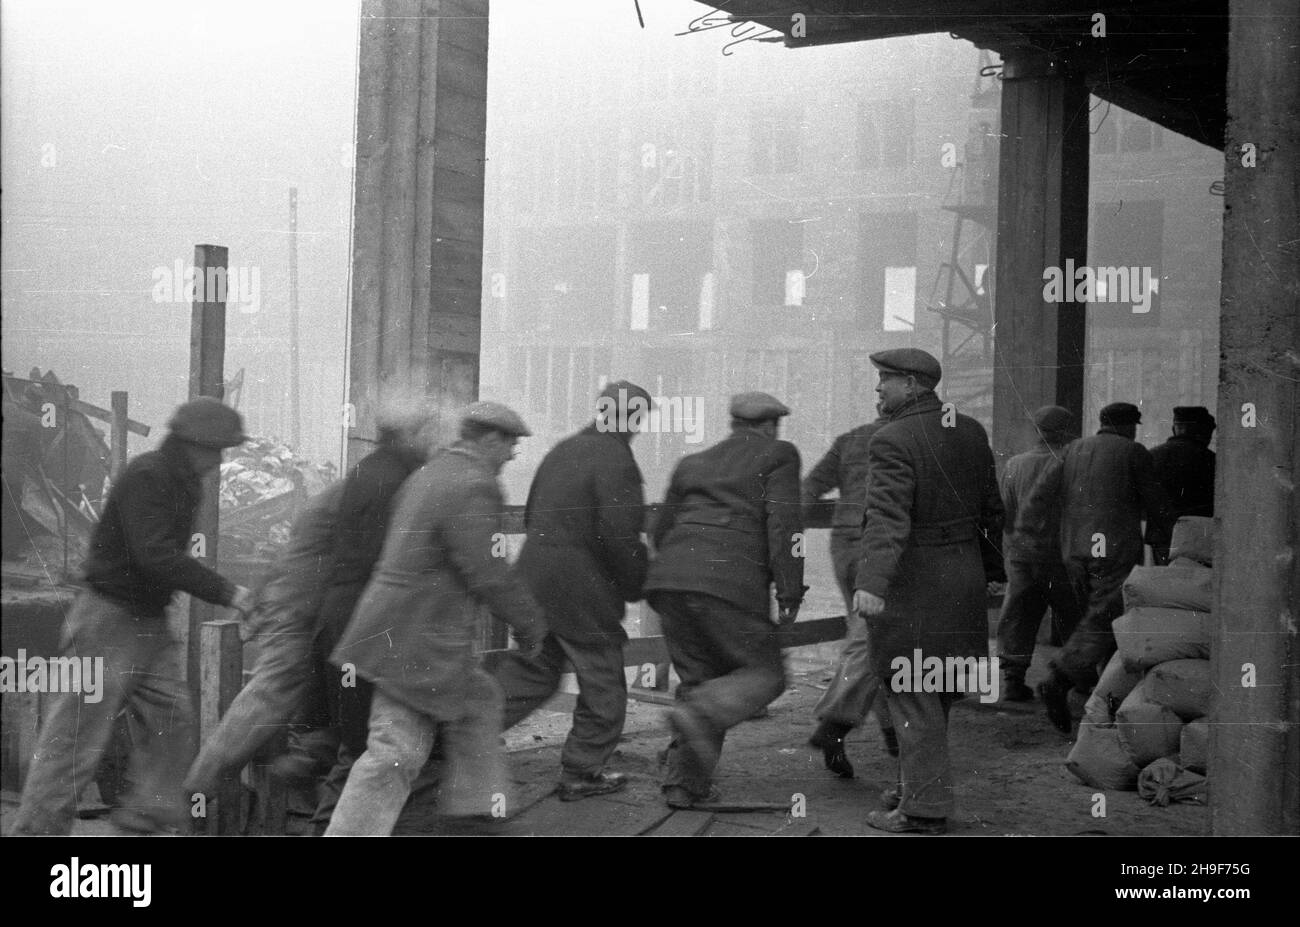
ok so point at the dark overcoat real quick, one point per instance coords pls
(731, 524)
(413, 631)
(583, 556)
(932, 501)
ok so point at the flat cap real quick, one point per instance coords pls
(1121, 413)
(757, 407)
(910, 362)
(624, 390)
(208, 422)
(1054, 418)
(495, 415)
(1193, 415)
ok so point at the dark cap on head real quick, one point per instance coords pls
(627, 388)
(1193, 415)
(1121, 413)
(757, 407)
(495, 416)
(208, 422)
(910, 362)
(1054, 419)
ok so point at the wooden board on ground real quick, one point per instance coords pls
(684, 824)
(799, 829)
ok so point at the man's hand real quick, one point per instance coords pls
(242, 601)
(787, 613)
(866, 604)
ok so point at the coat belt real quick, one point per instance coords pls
(955, 532)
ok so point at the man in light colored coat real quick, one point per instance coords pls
(412, 636)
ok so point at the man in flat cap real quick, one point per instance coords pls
(932, 502)
(412, 636)
(583, 558)
(138, 559)
(1100, 489)
(365, 513)
(1036, 576)
(730, 527)
(855, 687)
(1184, 468)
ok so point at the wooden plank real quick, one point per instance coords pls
(104, 415)
(799, 829)
(684, 824)
(118, 434)
(220, 678)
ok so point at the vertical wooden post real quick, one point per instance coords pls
(295, 392)
(207, 378)
(1042, 221)
(220, 676)
(417, 261)
(118, 434)
(1255, 730)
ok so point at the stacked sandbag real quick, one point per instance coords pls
(1193, 539)
(1156, 689)
(1194, 746)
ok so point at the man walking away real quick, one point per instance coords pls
(1036, 576)
(582, 559)
(730, 527)
(284, 622)
(138, 558)
(932, 502)
(1101, 488)
(854, 688)
(1184, 468)
(413, 636)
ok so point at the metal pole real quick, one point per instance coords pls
(295, 396)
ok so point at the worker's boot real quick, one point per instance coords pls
(829, 737)
(1055, 695)
(574, 787)
(1015, 690)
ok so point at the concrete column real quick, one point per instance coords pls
(1255, 740)
(417, 242)
(1042, 220)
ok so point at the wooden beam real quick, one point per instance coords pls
(1255, 729)
(220, 678)
(207, 378)
(118, 435)
(1038, 355)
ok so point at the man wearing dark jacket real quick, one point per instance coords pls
(365, 513)
(932, 502)
(582, 559)
(1184, 468)
(731, 525)
(138, 558)
(1100, 489)
(413, 636)
(854, 687)
(1036, 576)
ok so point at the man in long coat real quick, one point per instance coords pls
(582, 559)
(1184, 468)
(1036, 576)
(364, 516)
(1102, 487)
(413, 633)
(730, 527)
(855, 687)
(932, 501)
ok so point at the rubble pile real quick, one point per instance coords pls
(261, 489)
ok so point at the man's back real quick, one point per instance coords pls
(587, 496)
(729, 523)
(1107, 484)
(1184, 467)
(845, 467)
(1025, 543)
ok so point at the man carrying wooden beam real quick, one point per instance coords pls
(139, 557)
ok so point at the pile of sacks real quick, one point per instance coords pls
(1145, 726)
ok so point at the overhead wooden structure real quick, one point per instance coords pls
(417, 263)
